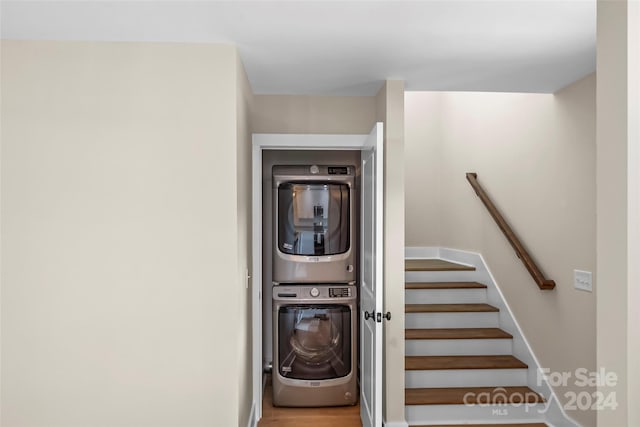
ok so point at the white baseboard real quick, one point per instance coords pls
(421, 252)
(395, 423)
(252, 416)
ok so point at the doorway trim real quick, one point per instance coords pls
(274, 141)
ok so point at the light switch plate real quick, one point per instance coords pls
(583, 280)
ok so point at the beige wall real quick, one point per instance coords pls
(423, 152)
(243, 177)
(633, 180)
(535, 156)
(612, 237)
(313, 114)
(390, 110)
(119, 279)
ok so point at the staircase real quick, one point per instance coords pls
(459, 365)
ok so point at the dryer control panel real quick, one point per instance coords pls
(339, 292)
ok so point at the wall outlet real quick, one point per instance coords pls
(583, 280)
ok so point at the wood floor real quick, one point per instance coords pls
(342, 416)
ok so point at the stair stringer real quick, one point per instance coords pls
(551, 412)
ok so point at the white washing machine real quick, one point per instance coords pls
(314, 333)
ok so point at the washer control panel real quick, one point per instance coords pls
(319, 292)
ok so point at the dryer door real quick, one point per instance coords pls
(313, 219)
(314, 341)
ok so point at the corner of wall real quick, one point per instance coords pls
(244, 102)
(390, 110)
(612, 283)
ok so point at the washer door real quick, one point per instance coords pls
(314, 342)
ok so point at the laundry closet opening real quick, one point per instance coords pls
(308, 211)
(310, 235)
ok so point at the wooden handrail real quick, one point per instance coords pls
(521, 252)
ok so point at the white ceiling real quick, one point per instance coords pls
(348, 47)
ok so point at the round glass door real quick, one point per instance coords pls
(314, 342)
(313, 219)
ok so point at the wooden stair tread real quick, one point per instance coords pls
(456, 395)
(456, 334)
(485, 425)
(448, 308)
(444, 285)
(425, 363)
(434, 265)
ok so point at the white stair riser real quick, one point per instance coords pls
(466, 378)
(442, 276)
(445, 296)
(457, 347)
(461, 414)
(451, 320)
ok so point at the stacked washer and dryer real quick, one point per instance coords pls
(314, 292)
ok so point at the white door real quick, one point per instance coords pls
(371, 280)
